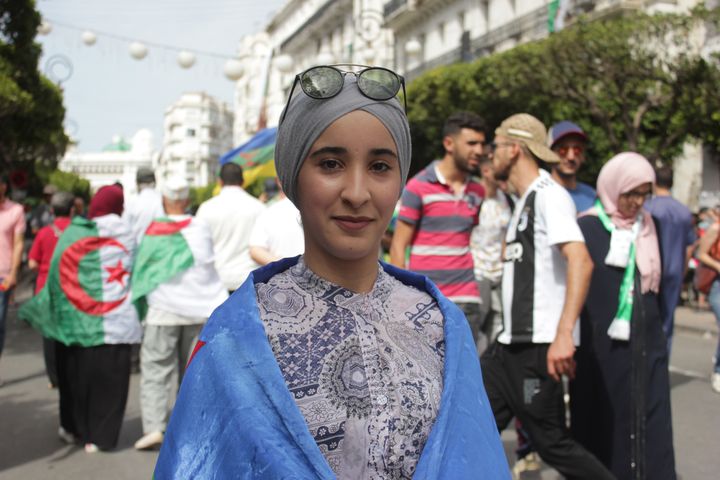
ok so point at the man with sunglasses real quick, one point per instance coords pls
(569, 142)
(546, 274)
(439, 208)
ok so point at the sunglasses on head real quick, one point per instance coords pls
(326, 81)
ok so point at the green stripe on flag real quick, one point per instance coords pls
(159, 258)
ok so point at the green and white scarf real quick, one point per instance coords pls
(620, 326)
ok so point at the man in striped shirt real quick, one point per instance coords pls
(439, 208)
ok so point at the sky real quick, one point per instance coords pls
(108, 92)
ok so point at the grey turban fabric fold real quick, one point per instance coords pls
(307, 118)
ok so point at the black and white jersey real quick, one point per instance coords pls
(534, 269)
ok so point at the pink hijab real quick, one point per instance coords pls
(619, 175)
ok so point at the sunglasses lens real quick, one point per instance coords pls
(378, 83)
(321, 82)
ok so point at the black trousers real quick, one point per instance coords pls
(49, 348)
(94, 384)
(518, 384)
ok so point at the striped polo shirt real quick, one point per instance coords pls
(443, 222)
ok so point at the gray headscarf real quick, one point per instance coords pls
(307, 118)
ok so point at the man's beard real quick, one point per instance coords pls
(564, 174)
(463, 165)
(502, 175)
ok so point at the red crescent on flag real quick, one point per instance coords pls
(167, 228)
(70, 280)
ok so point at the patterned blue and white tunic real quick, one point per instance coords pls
(365, 369)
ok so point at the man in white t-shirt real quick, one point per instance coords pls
(178, 306)
(546, 275)
(231, 216)
(277, 232)
(143, 208)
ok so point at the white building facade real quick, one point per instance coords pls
(197, 131)
(119, 161)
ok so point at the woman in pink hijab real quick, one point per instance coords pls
(620, 400)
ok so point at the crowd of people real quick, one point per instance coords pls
(327, 363)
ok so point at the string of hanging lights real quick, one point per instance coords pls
(139, 49)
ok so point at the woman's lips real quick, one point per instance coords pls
(352, 223)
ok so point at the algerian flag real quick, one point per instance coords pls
(86, 300)
(164, 252)
(557, 13)
(174, 268)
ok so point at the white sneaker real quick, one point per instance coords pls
(66, 436)
(715, 382)
(149, 441)
(91, 448)
(529, 463)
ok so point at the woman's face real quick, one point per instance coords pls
(630, 203)
(347, 188)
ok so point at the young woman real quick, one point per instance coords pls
(620, 398)
(332, 364)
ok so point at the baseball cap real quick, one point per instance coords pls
(528, 130)
(145, 175)
(563, 129)
(176, 188)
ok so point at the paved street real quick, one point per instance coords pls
(29, 447)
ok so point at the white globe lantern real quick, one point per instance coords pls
(413, 47)
(233, 70)
(138, 50)
(44, 28)
(284, 63)
(325, 58)
(88, 38)
(186, 59)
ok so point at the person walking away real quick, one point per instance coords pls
(277, 232)
(439, 209)
(12, 230)
(677, 239)
(231, 216)
(709, 254)
(174, 274)
(486, 243)
(86, 306)
(41, 251)
(545, 278)
(569, 142)
(41, 215)
(143, 208)
(333, 365)
(620, 398)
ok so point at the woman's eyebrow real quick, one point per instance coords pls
(330, 150)
(383, 151)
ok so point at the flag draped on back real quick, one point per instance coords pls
(86, 300)
(255, 157)
(174, 268)
(163, 253)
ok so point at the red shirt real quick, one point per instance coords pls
(443, 221)
(43, 247)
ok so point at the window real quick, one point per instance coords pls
(461, 20)
(190, 132)
(441, 32)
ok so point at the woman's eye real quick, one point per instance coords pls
(380, 167)
(330, 164)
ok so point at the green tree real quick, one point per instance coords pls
(633, 82)
(70, 182)
(31, 108)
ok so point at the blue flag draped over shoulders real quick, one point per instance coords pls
(236, 418)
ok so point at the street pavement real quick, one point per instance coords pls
(30, 448)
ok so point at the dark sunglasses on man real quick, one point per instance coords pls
(326, 81)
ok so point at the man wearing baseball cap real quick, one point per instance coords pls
(546, 274)
(569, 142)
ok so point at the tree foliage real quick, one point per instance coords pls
(634, 82)
(31, 108)
(70, 182)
